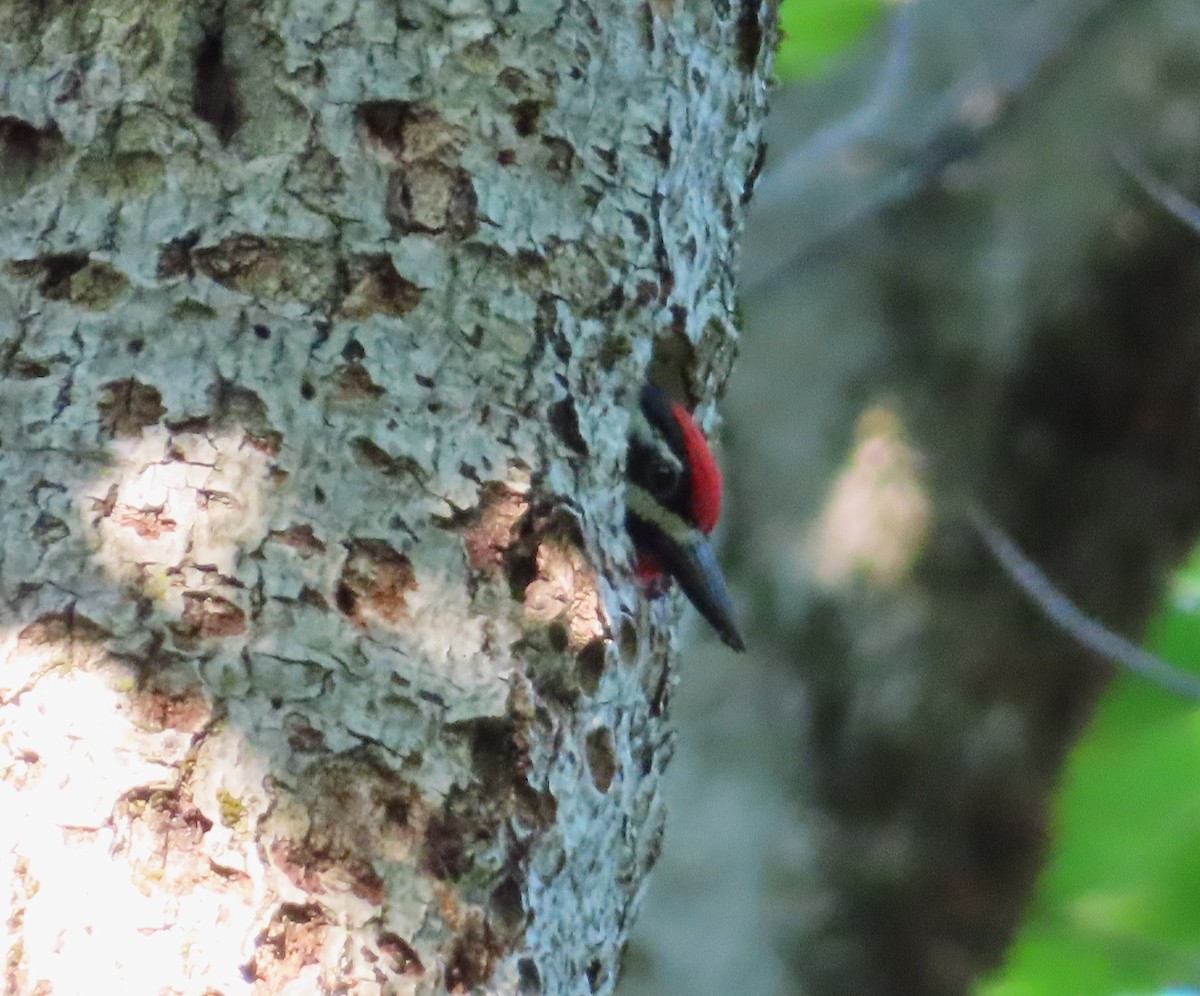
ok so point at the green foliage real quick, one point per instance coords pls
(817, 30)
(1118, 908)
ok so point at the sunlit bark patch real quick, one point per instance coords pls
(206, 614)
(167, 696)
(297, 938)
(473, 955)
(62, 640)
(489, 529)
(170, 501)
(565, 587)
(160, 834)
(102, 744)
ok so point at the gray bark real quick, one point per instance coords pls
(322, 668)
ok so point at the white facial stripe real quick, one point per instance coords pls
(640, 428)
(645, 434)
(647, 509)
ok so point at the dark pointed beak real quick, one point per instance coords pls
(692, 563)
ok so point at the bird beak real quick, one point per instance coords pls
(690, 561)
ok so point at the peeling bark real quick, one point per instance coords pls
(322, 668)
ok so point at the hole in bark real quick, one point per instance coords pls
(646, 758)
(432, 197)
(48, 529)
(295, 937)
(375, 578)
(754, 172)
(508, 907)
(601, 758)
(25, 153)
(20, 141)
(262, 332)
(525, 117)
(560, 157)
(56, 271)
(493, 750)
(403, 957)
(344, 599)
(590, 661)
(627, 641)
(679, 316)
(445, 852)
(520, 566)
(674, 358)
(375, 287)
(128, 406)
(384, 121)
(660, 145)
(175, 256)
(596, 975)
(661, 693)
(749, 35)
(405, 129)
(473, 955)
(529, 979)
(214, 88)
(564, 420)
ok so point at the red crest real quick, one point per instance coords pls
(706, 477)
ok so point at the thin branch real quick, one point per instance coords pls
(1166, 197)
(904, 138)
(1072, 621)
(827, 143)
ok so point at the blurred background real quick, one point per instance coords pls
(970, 278)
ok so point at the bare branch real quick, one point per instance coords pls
(1166, 197)
(888, 149)
(1072, 621)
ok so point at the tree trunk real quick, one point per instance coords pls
(322, 665)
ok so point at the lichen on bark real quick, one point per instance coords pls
(318, 326)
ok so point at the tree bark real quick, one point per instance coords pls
(322, 666)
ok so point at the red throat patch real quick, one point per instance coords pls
(706, 476)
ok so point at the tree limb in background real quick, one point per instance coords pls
(888, 148)
(1166, 197)
(1072, 620)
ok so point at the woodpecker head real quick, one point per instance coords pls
(673, 503)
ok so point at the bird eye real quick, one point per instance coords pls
(664, 478)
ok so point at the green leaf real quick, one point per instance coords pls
(815, 31)
(1118, 907)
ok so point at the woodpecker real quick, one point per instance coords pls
(673, 502)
